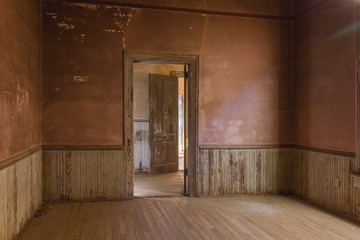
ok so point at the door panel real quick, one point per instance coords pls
(169, 99)
(169, 149)
(163, 123)
(157, 151)
(156, 108)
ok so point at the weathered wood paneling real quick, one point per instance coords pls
(235, 171)
(20, 194)
(315, 177)
(141, 146)
(77, 175)
(355, 195)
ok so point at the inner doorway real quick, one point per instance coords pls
(159, 129)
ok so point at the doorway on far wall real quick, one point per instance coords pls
(159, 129)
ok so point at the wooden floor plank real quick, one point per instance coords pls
(241, 217)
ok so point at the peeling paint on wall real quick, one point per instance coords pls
(235, 53)
(8, 93)
(122, 20)
(80, 38)
(66, 25)
(91, 7)
(123, 42)
(19, 77)
(53, 15)
(22, 98)
(81, 79)
(109, 30)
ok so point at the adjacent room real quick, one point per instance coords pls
(149, 119)
(159, 118)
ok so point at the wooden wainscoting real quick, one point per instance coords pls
(81, 175)
(323, 179)
(20, 193)
(355, 195)
(234, 171)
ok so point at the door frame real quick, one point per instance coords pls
(129, 58)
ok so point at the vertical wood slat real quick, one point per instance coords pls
(314, 180)
(235, 171)
(310, 175)
(355, 196)
(85, 175)
(20, 191)
(307, 174)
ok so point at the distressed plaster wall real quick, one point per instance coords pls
(244, 60)
(324, 105)
(324, 77)
(20, 115)
(82, 76)
(19, 77)
(244, 81)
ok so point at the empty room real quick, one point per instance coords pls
(179, 119)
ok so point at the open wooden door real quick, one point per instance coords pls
(163, 123)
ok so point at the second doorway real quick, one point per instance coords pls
(159, 129)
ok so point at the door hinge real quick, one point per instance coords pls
(186, 172)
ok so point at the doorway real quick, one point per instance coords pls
(188, 68)
(158, 90)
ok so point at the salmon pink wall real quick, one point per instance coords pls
(325, 77)
(244, 70)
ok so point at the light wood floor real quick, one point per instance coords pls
(170, 184)
(242, 217)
